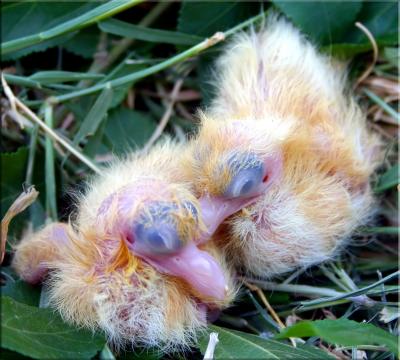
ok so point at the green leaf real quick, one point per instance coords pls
(48, 77)
(41, 334)
(12, 355)
(342, 332)
(20, 19)
(21, 291)
(193, 51)
(239, 345)
(84, 43)
(95, 116)
(94, 145)
(126, 67)
(323, 21)
(206, 18)
(392, 55)
(384, 105)
(131, 31)
(84, 19)
(380, 18)
(144, 354)
(388, 180)
(12, 168)
(127, 129)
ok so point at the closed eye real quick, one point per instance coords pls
(160, 238)
(155, 232)
(248, 173)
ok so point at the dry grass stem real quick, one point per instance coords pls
(380, 84)
(14, 102)
(370, 67)
(25, 199)
(265, 301)
(165, 118)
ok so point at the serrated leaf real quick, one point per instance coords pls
(323, 21)
(127, 129)
(131, 31)
(239, 345)
(21, 19)
(84, 19)
(342, 332)
(41, 334)
(206, 18)
(388, 180)
(84, 43)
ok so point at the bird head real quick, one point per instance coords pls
(233, 162)
(161, 223)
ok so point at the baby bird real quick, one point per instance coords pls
(283, 125)
(135, 260)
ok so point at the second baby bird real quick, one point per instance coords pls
(284, 125)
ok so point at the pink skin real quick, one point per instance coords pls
(195, 266)
(215, 210)
(57, 236)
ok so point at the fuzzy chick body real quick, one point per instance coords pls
(276, 95)
(94, 278)
(281, 137)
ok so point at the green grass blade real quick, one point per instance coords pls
(93, 119)
(388, 180)
(352, 294)
(388, 230)
(99, 13)
(377, 100)
(22, 81)
(95, 116)
(263, 312)
(138, 32)
(193, 51)
(32, 154)
(50, 176)
(106, 353)
(48, 77)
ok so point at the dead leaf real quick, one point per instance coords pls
(25, 199)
